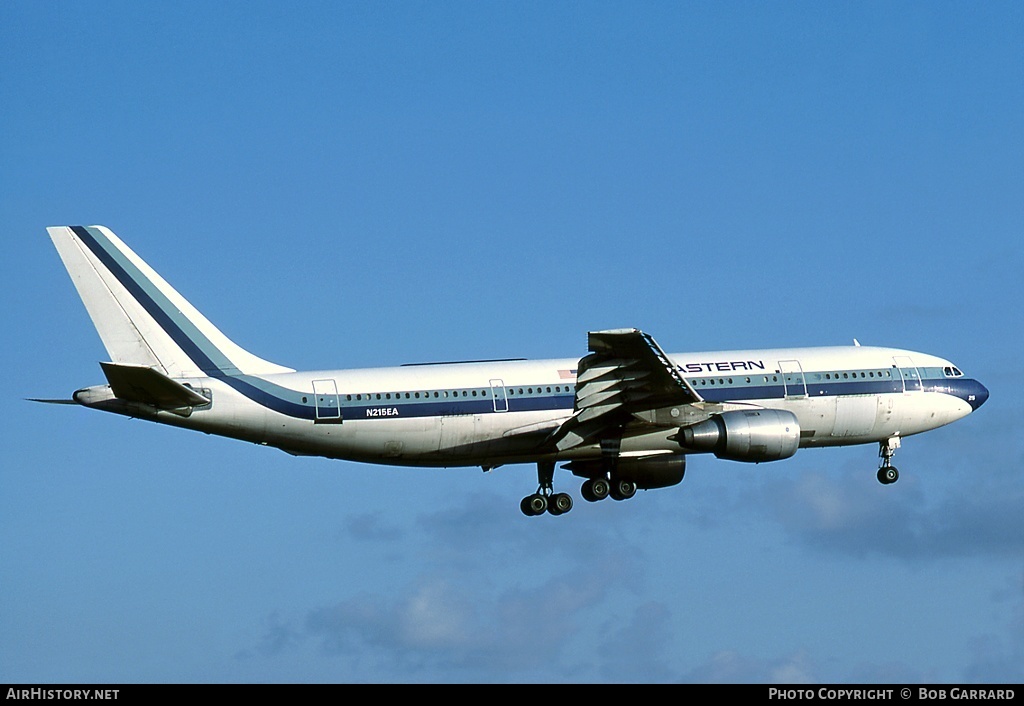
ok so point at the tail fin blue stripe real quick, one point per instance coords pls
(183, 332)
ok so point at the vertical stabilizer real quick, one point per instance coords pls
(142, 320)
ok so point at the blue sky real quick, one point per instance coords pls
(362, 184)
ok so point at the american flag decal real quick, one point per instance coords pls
(567, 374)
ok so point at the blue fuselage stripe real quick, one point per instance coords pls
(406, 408)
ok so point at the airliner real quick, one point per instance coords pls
(623, 417)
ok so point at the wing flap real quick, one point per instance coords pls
(626, 373)
(606, 368)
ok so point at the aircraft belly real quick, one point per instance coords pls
(392, 439)
(475, 439)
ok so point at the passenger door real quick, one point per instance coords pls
(793, 379)
(325, 397)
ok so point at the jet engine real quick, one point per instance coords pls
(746, 435)
(647, 472)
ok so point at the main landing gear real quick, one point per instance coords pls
(594, 489)
(600, 488)
(545, 500)
(887, 473)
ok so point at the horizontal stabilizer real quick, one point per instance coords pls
(137, 383)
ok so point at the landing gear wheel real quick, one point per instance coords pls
(887, 471)
(596, 489)
(533, 505)
(559, 503)
(545, 499)
(888, 475)
(623, 489)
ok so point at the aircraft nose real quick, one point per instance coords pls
(974, 393)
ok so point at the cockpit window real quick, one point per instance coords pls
(952, 371)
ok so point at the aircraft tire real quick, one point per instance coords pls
(533, 505)
(623, 489)
(595, 489)
(888, 475)
(559, 503)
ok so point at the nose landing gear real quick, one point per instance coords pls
(887, 473)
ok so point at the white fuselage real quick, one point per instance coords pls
(490, 413)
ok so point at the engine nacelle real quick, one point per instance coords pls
(753, 436)
(647, 472)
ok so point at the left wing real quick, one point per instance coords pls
(626, 372)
